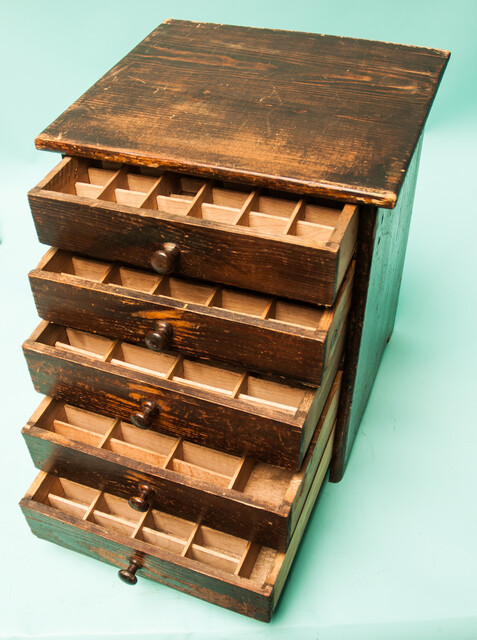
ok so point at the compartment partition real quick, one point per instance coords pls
(235, 571)
(262, 334)
(236, 494)
(263, 482)
(175, 368)
(181, 537)
(186, 291)
(212, 405)
(266, 212)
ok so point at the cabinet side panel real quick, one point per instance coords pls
(381, 250)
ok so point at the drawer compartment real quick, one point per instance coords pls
(264, 241)
(225, 409)
(256, 332)
(237, 494)
(232, 571)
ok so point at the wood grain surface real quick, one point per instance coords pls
(254, 597)
(254, 343)
(304, 112)
(232, 511)
(381, 250)
(226, 423)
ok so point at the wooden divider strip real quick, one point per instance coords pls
(247, 206)
(247, 561)
(149, 201)
(242, 473)
(290, 227)
(118, 180)
(190, 540)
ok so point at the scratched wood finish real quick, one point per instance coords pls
(179, 573)
(299, 111)
(254, 343)
(256, 598)
(235, 255)
(233, 511)
(228, 424)
(380, 261)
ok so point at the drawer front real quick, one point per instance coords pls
(232, 572)
(244, 329)
(192, 229)
(224, 409)
(231, 493)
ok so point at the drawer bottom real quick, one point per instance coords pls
(232, 572)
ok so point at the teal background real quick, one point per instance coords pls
(390, 552)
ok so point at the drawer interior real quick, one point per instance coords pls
(309, 317)
(308, 221)
(263, 482)
(160, 530)
(175, 368)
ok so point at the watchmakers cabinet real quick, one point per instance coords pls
(228, 227)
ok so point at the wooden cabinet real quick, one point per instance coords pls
(229, 225)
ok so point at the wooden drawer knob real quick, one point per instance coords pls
(129, 575)
(141, 501)
(142, 419)
(159, 339)
(165, 260)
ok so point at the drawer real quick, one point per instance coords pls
(268, 241)
(225, 409)
(232, 571)
(235, 494)
(207, 321)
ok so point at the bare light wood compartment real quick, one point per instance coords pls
(229, 570)
(228, 410)
(188, 196)
(266, 241)
(232, 492)
(210, 322)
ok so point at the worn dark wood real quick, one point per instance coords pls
(289, 113)
(304, 112)
(272, 521)
(172, 570)
(254, 343)
(207, 417)
(237, 255)
(256, 598)
(380, 259)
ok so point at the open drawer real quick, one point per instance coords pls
(236, 494)
(268, 241)
(207, 321)
(226, 409)
(233, 571)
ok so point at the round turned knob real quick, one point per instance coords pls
(141, 501)
(159, 339)
(143, 418)
(165, 259)
(129, 575)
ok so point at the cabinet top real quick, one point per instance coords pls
(309, 113)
